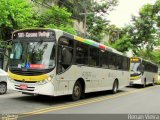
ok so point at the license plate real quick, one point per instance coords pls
(23, 86)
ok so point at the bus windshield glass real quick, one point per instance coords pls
(33, 55)
(135, 67)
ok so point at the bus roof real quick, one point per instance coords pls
(80, 39)
(92, 43)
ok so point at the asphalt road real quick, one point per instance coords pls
(129, 100)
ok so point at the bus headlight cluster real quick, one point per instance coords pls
(42, 82)
(10, 79)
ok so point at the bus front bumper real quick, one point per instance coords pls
(31, 88)
(139, 81)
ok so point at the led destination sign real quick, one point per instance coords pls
(33, 34)
(135, 60)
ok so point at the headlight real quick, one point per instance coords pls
(10, 79)
(49, 79)
(44, 81)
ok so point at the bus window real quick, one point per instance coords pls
(94, 57)
(65, 54)
(125, 65)
(104, 59)
(81, 53)
(119, 62)
(112, 60)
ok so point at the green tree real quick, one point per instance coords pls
(123, 44)
(57, 18)
(96, 13)
(150, 55)
(15, 14)
(96, 27)
(97, 22)
(114, 33)
(144, 32)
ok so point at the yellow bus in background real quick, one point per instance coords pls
(143, 72)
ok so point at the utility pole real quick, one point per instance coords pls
(85, 21)
(85, 16)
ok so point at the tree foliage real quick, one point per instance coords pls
(57, 18)
(150, 55)
(144, 31)
(123, 44)
(114, 33)
(97, 22)
(15, 14)
(95, 11)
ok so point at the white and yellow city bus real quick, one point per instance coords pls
(143, 72)
(53, 62)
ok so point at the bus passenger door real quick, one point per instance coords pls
(64, 62)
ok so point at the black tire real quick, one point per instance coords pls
(115, 87)
(3, 88)
(153, 83)
(144, 84)
(77, 91)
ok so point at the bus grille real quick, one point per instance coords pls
(25, 81)
(29, 72)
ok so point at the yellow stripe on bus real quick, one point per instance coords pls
(27, 78)
(79, 38)
(135, 77)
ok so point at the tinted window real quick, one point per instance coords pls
(119, 62)
(94, 56)
(112, 61)
(125, 64)
(81, 53)
(104, 59)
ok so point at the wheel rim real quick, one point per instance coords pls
(76, 91)
(2, 88)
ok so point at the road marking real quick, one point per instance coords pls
(80, 103)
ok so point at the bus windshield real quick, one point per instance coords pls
(135, 68)
(33, 55)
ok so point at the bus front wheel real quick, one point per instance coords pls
(77, 91)
(144, 84)
(115, 87)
